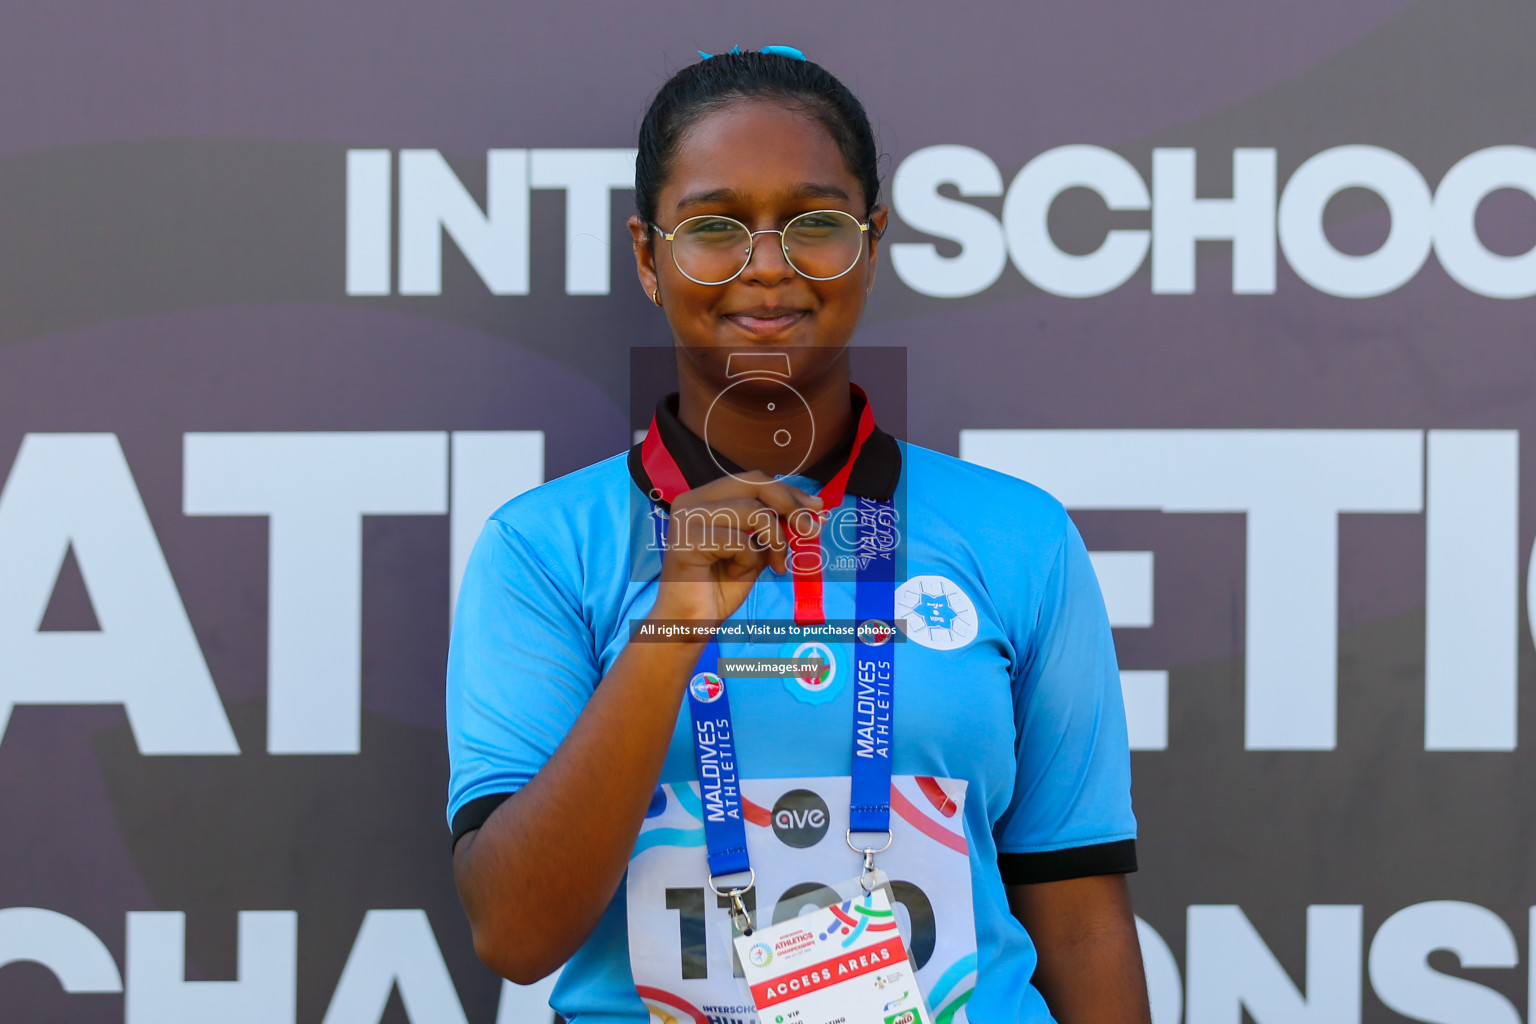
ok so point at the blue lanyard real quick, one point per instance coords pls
(714, 752)
(875, 668)
(709, 706)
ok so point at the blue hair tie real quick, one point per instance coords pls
(781, 51)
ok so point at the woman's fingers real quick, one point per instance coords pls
(719, 540)
(766, 512)
(719, 526)
(728, 529)
(747, 563)
(778, 552)
(784, 499)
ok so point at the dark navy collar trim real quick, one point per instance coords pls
(875, 475)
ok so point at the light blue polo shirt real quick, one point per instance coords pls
(1008, 681)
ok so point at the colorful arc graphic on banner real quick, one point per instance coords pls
(687, 1011)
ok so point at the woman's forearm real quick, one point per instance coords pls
(1090, 969)
(535, 878)
(539, 873)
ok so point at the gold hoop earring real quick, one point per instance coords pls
(656, 296)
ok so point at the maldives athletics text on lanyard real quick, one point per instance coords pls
(714, 745)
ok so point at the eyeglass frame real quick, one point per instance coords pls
(670, 236)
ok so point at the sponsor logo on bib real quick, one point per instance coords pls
(800, 818)
(707, 687)
(939, 615)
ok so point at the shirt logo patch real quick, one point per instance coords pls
(938, 614)
(815, 689)
(707, 687)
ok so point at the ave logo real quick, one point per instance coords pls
(800, 818)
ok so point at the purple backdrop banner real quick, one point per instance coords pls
(291, 297)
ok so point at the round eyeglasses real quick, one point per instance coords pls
(820, 245)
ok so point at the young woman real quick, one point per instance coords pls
(575, 797)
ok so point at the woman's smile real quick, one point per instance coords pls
(759, 164)
(766, 321)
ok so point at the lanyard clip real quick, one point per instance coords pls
(741, 917)
(867, 878)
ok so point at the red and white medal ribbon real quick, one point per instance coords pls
(805, 558)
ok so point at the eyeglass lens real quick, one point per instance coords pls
(820, 245)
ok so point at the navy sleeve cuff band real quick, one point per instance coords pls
(1117, 858)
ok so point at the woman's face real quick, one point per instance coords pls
(760, 162)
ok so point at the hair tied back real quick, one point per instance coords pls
(775, 73)
(779, 51)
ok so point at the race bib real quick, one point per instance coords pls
(681, 954)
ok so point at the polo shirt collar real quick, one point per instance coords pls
(874, 475)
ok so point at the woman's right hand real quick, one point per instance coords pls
(719, 538)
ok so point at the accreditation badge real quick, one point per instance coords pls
(845, 963)
(682, 952)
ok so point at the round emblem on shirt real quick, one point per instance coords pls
(800, 818)
(821, 687)
(874, 632)
(707, 687)
(938, 614)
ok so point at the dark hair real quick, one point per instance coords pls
(713, 83)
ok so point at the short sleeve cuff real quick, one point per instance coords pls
(1117, 858)
(474, 814)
